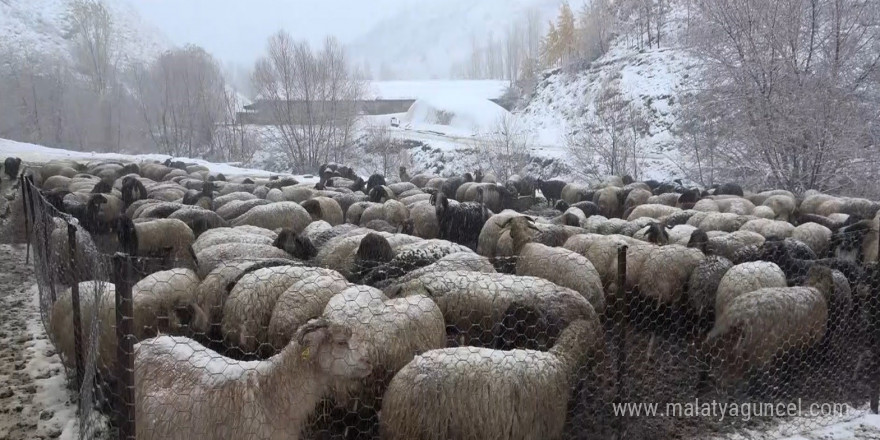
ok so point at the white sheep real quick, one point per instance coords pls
(208, 396)
(472, 302)
(757, 326)
(275, 216)
(517, 394)
(655, 211)
(221, 254)
(228, 235)
(303, 300)
(769, 228)
(324, 208)
(565, 268)
(395, 330)
(814, 235)
(249, 306)
(744, 278)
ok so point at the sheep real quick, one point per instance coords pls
(235, 208)
(561, 266)
(856, 242)
(228, 235)
(610, 200)
(814, 235)
(422, 220)
(668, 199)
(664, 273)
(220, 201)
(402, 187)
(462, 223)
(732, 189)
(725, 245)
(161, 237)
(244, 399)
(655, 233)
(11, 166)
(324, 208)
(601, 250)
(201, 198)
(132, 190)
(783, 206)
(248, 308)
(396, 330)
(297, 245)
(275, 216)
(211, 294)
(717, 221)
(464, 261)
(636, 197)
(703, 284)
(532, 385)
(408, 257)
(769, 228)
(392, 211)
(354, 254)
(381, 194)
(160, 303)
(757, 326)
(220, 254)
(524, 327)
(747, 277)
(524, 185)
(199, 220)
(552, 190)
(654, 211)
(303, 300)
(451, 185)
(473, 301)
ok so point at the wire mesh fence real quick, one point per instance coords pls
(224, 333)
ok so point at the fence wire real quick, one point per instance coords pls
(385, 335)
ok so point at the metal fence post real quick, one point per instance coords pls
(623, 321)
(74, 298)
(125, 345)
(24, 207)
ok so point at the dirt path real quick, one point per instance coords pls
(34, 400)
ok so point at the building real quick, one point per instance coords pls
(388, 97)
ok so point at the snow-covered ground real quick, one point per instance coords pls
(40, 154)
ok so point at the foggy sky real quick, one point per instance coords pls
(237, 30)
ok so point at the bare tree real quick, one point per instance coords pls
(311, 97)
(506, 147)
(608, 140)
(183, 98)
(798, 80)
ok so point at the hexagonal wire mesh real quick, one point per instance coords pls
(387, 335)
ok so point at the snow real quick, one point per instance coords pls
(857, 423)
(40, 154)
(484, 89)
(468, 114)
(39, 26)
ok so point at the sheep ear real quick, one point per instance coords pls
(312, 333)
(507, 222)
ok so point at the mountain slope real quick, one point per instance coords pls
(653, 81)
(424, 40)
(39, 26)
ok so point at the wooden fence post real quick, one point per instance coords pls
(24, 209)
(125, 345)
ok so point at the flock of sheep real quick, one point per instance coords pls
(453, 307)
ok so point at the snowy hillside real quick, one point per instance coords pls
(425, 39)
(38, 26)
(651, 80)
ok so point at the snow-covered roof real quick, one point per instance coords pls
(485, 89)
(412, 90)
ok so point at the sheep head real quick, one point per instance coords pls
(333, 348)
(375, 180)
(657, 234)
(374, 248)
(102, 187)
(519, 231)
(700, 240)
(292, 243)
(440, 202)
(822, 279)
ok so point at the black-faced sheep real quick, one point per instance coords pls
(295, 244)
(534, 385)
(162, 237)
(11, 166)
(461, 223)
(265, 399)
